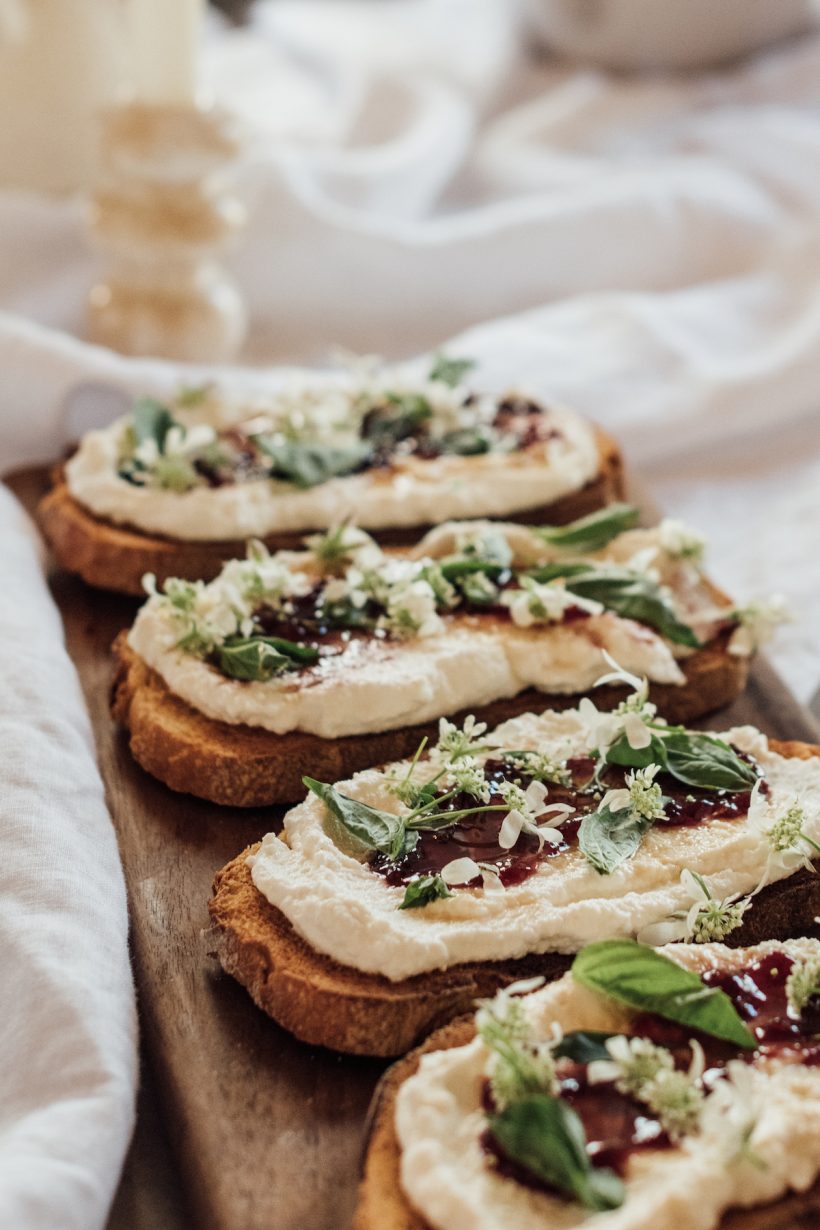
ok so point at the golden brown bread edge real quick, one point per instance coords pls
(328, 1004)
(244, 766)
(382, 1204)
(117, 557)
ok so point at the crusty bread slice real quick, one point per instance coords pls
(383, 1206)
(117, 557)
(329, 1004)
(244, 766)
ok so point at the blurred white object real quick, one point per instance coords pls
(164, 40)
(657, 34)
(163, 215)
(60, 63)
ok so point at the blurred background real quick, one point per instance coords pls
(612, 202)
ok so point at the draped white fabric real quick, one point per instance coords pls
(645, 248)
(67, 1030)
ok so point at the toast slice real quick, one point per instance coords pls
(382, 1204)
(243, 766)
(117, 557)
(329, 1004)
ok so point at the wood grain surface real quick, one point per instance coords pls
(268, 1132)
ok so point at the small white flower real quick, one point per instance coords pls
(632, 1063)
(454, 743)
(731, 1112)
(540, 604)
(803, 984)
(705, 921)
(411, 610)
(460, 871)
(468, 775)
(490, 878)
(618, 675)
(647, 1072)
(757, 622)
(679, 540)
(526, 806)
(345, 544)
(641, 794)
(789, 844)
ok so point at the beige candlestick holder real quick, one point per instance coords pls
(163, 216)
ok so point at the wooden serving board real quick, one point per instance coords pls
(268, 1132)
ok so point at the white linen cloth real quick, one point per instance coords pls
(647, 249)
(67, 1028)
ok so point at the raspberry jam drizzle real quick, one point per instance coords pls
(476, 836)
(616, 1125)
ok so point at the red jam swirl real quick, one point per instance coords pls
(476, 835)
(617, 1126)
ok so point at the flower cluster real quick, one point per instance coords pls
(543, 604)
(641, 795)
(647, 1073)
(519, 1064)
(209, 613)
(706, 920)
(803, 984)
(680, 540)
(631, 720)
(757, 622)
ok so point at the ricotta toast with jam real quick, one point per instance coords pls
(343, 655)
(177, 488)
(389, 901)
(645, 1090)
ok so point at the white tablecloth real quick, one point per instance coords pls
(645, 248)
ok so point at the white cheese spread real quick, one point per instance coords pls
(413, 491)
(342, 909)
(446, 1178)
(464, 661)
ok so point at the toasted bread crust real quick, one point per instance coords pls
(244, 766)
(117, 557)
(382, 1203)
(333, 1005)
(329, 1004)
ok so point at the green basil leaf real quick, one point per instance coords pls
(647, 981)
(309, 465)
(152, 421)
(551, 572)
(621, 753)
(459, 566)
(358, 827)
(592, 532)
(259, 658)
(422, 891)
(450, 371)
(700, 760)
(386, 425)
(546, 1137)
(608, 838)
(583, 1046)
(466, 442)
(634, 596)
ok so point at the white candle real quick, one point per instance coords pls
(164, 41)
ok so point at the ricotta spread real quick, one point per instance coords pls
(341, 908)
(455, 662)
(445, 1175)
(412, 490)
